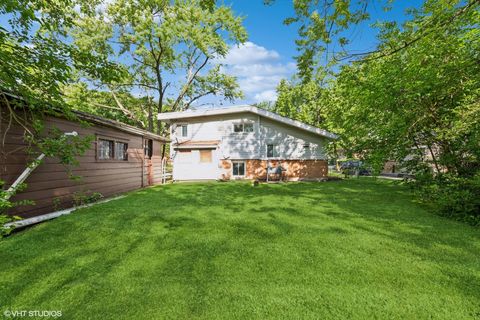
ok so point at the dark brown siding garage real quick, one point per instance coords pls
(50, 187)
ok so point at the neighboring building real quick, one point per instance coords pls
(240, 142)
(121, 158)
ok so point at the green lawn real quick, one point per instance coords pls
(356, 249)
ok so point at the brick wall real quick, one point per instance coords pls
(295, 169)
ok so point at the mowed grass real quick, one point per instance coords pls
(355, 249)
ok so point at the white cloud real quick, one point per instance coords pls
(248, 53)
(268, 95)
(258, 70)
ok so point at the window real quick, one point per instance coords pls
(205, 156)
(238, 127)
(148, 148)
(238, 168)
(271, 151)
(184, 130)
(121, 151)
(248, 127)
(112, 150)
(105, 149)
(242, 127)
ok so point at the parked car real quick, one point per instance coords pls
(351, 167)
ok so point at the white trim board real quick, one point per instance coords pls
(168, 116)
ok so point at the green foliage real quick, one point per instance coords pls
(171, 48)
(36, 56)
(6, 205)
(414, 100)
(85, 197)
(453, 196)
(303, 102)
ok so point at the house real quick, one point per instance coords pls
(241, 142)
(121, 158)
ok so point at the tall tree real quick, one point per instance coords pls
(302, 101)
(167, 48)
(36, 61)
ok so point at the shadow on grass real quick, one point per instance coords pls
(176, 233)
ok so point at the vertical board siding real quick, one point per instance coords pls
(50, 182)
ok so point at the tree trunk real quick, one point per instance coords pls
(150, 116)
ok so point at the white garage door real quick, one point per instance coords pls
(195, 164)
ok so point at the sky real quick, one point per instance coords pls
(268, 56)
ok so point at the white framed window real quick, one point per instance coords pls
(184, 130)
(121, 149)
(238, 127)
(105, 149)
(238, 169)
(248, 127)
(111, 149)
(272, 151)
(243, 127)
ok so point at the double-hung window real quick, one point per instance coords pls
(271, 151)
(182, 130)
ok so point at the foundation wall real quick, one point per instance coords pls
(296, 170)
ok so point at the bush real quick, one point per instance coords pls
(81, 198)
(455, 197)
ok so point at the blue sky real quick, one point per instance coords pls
(268, 56)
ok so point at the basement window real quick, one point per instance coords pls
(238, 169)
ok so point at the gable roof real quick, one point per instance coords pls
(118, 125)
(167, 116)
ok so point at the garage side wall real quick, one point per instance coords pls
(50, 186)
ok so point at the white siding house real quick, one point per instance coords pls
(233, 142)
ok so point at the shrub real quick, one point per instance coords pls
(453, 196)
(81, 198)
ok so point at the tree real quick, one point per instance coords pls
(167, 50)
(324, 28)
(36, 61)
(416, 94)
(303, 102)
